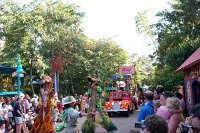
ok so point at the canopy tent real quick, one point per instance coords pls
(7, 69)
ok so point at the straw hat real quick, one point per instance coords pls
(69, 100)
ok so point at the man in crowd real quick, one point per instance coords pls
(155, 124)
(192, 122)
(34, 100)
(157, 92)
(148, 109)
(18, 115)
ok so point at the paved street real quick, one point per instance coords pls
(123, 123)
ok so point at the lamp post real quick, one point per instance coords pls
(19, 71)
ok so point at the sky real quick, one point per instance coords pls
(115, 19)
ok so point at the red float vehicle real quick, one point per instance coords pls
(119, 101)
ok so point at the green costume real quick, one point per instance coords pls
(98, 98)
(89, 124)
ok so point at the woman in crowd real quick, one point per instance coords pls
(23, 111)
(175, 118)
(4, 112)
(172, 105)
(182, 102)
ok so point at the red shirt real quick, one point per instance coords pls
(59, 107)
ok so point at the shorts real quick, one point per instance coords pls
(2, 121)
(18, 120)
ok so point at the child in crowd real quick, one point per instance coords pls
(55, 113)
(156, 106)
(171, 107)
(2, 126)
(9, 128)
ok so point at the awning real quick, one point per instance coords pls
(7, 69)
(9, 93)
(191, 61)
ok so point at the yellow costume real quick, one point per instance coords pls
(43, 122)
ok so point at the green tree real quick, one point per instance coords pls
(177, 38)
(36, 30)
(144, 28)
(97, 58)
(43, 27)
(178, 29)
(144, 69)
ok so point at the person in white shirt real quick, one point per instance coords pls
(26, 101)
(4, 112)
(10, 111)
(34, 100)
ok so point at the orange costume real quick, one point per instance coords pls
(43, 122)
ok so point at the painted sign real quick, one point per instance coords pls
(126, 70)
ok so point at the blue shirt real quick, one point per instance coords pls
(17, 107)
(145, 111)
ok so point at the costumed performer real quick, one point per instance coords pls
(43, 122)
(95, 93)
(70, 115)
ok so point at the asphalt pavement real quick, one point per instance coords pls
(123, 123)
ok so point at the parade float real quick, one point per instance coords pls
(119, 102)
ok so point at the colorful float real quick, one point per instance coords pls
(119, 102)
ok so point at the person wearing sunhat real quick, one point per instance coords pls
(70, 115)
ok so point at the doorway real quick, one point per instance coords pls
(196, 92)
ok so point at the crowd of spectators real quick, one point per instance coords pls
(17, 114)
(164, 112)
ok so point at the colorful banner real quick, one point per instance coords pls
(126, 70)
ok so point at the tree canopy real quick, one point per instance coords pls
(177, 38)
(43, 27)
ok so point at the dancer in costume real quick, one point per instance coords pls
(43, 122)
(95, 93)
